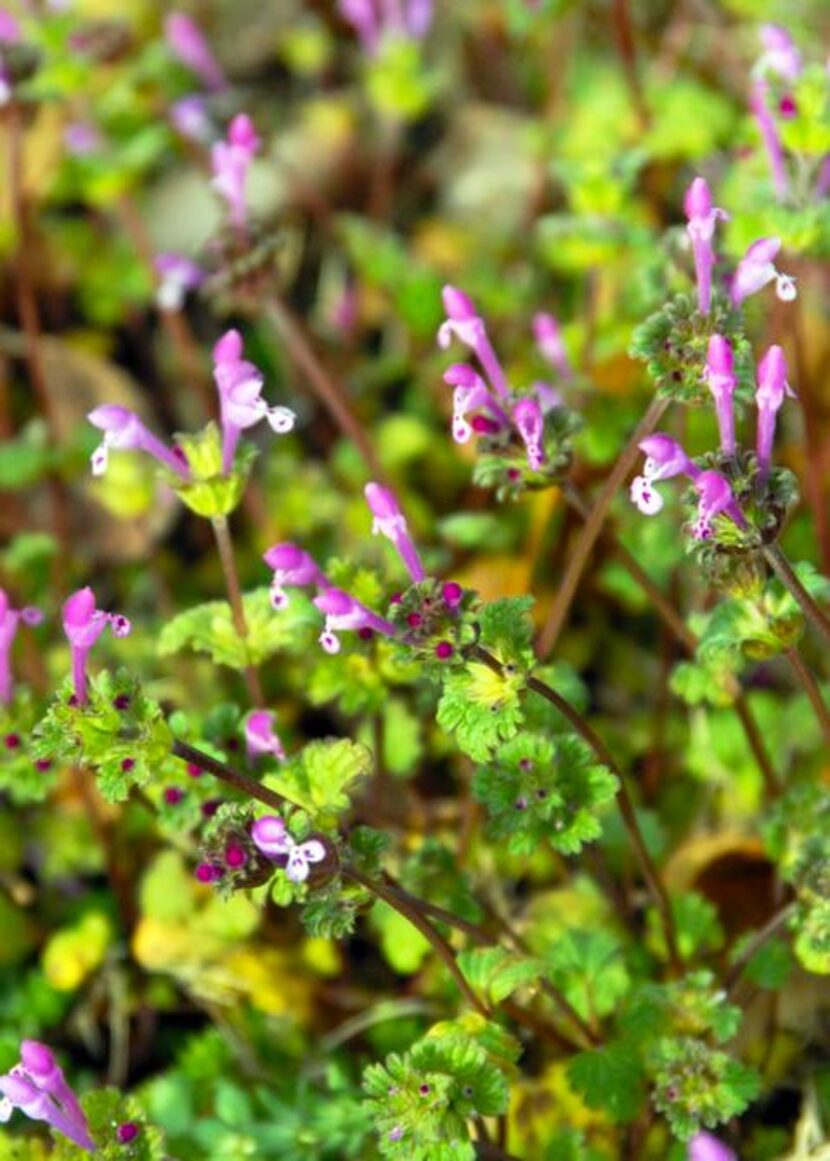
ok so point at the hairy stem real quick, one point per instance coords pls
(811, 688)
(225, 545)
(787, 575)
(241, 782)
(405, 907)
(626, 806)
(313, 373)
(593, 527)
(762, 936)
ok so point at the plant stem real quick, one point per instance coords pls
(787, 575)
(762, 936)
(330, 394)
(626, 806)
(409, 911)
(223, 542)
(241, 782)
(593, 526)
(689, 640)
(628, 55)
(28, 314)
(811, 688)
(484, 940)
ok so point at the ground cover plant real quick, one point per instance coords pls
(415, 580)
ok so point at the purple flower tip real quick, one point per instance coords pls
(127, 1132)
(698, 199)
(444, 650)
(260, 737)
(705, 1147)
(458, 305)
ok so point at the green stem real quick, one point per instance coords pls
(224, 543)
(626, 806)
(811, 688)
(762, 936)
(787, 575)
(593, 527)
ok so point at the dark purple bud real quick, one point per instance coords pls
(122, 701)
(12, 741)
(194, 771)
(208, 872)
(173, 795)
(127, 1132)
(210, 807)
(453, 594)
(127, 765)
(235, 856)
(43, 764)
(424, 1089)
(414, 620)
(444, 650)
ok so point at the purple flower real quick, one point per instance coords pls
(702, 219)
(344, 612)
(527, 415)
(548, 337)
(230, 161)
(756, 269)
(780, 56)
(10, 620)
(189, 117)
(83, 624)
(291, 566)
(714, 498)
(759, 104)
(390, 522)
(240, 397)
(705, 1147)
(271, 836)
(665, 458)
(373, 20)
(10, 32)
(772, 389)
(463, 323)
(720, 376)
(124, 431)
(82, 139)
(471, 394)
(36, 1086)
(190, 46)
(177, 275)
(260, 737)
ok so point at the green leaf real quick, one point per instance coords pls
(322, 778)
(495, 973)
(611, 1079)
(210, 629)
(588, 966)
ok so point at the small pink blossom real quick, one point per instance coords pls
(83, 624)
(231, 161)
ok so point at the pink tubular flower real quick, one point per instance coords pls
(177, 275)
(773, 387)
(124, 431)
(390, 522)
(759, 104)
(463, 323)
(271, 837)
(705, 1147)
(9, 28)
(530, 424)
(665, 458)
(548, 337)
(240, 397)
(780, 56)
(230, 161)
(373, 20)
(714, 497)
(189, 117)
(10, 621)
(261, 739)
(291, 566)
(190, 46)
(720, 376)
(756, 269)
(36, 1086)
(83, 624)
(471, 394)
(702, 219)
(364, 20)
(345, 613)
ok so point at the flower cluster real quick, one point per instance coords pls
(486, 405)
(665, 458)
(239, 384)
(271, 837)
(36, 1086)
(755, 270)
(377, 20)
